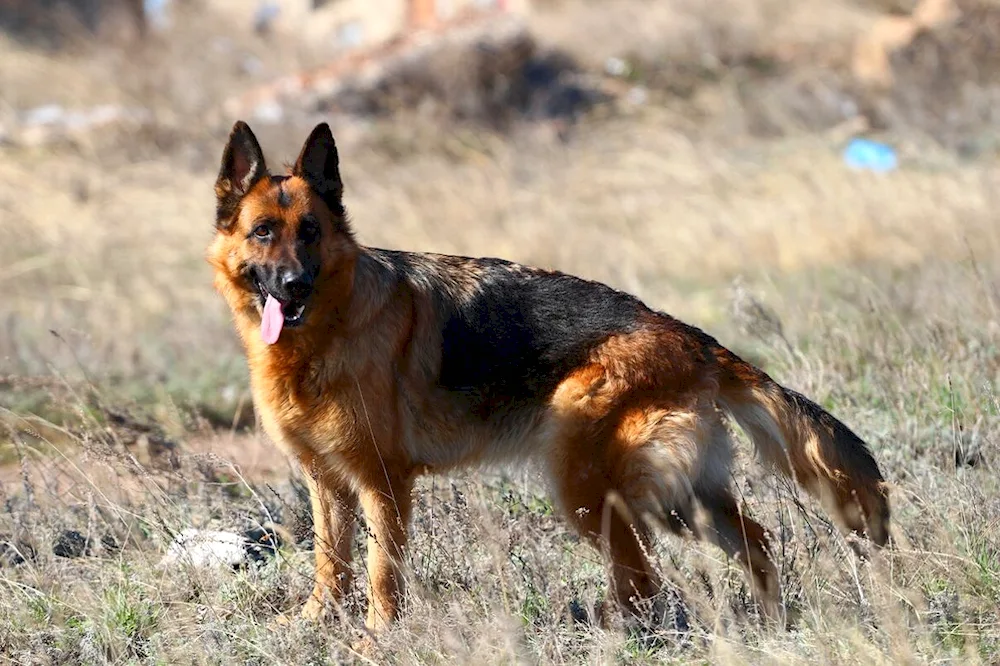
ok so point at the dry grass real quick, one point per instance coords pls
(885, 288)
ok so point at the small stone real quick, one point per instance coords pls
(71, 544)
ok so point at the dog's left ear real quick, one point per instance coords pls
(242, 166)
(319, 165)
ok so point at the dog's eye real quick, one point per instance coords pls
(262, 232)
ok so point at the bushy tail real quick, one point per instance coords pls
(807, 443)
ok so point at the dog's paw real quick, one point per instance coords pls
(366, 646)
(314, 610)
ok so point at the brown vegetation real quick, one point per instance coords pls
(875, 294)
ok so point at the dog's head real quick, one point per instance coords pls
(281, 240)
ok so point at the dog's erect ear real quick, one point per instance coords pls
(242, 166)
(319, 165)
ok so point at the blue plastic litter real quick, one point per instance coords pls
(868, 155)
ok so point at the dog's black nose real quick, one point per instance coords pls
(296, 284)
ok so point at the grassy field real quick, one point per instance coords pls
(124, 408)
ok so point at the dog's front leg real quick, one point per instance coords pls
(387, 515)
(333, 506)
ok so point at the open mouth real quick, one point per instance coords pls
(293, 310)
(277, 314)
(294, 313)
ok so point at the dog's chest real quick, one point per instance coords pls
(310, 424)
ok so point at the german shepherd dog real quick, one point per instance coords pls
(372, 367)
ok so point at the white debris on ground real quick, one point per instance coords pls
(206, 549)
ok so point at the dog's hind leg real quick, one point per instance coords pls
(584, 468)
(594, 506)
(723, 523)
(676, 469)
(718, 517)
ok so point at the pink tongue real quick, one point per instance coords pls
(272, 320)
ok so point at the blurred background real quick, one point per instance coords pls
(665, 147)
(772, 170)
(814, 182)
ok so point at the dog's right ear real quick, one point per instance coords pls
(242, 166)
